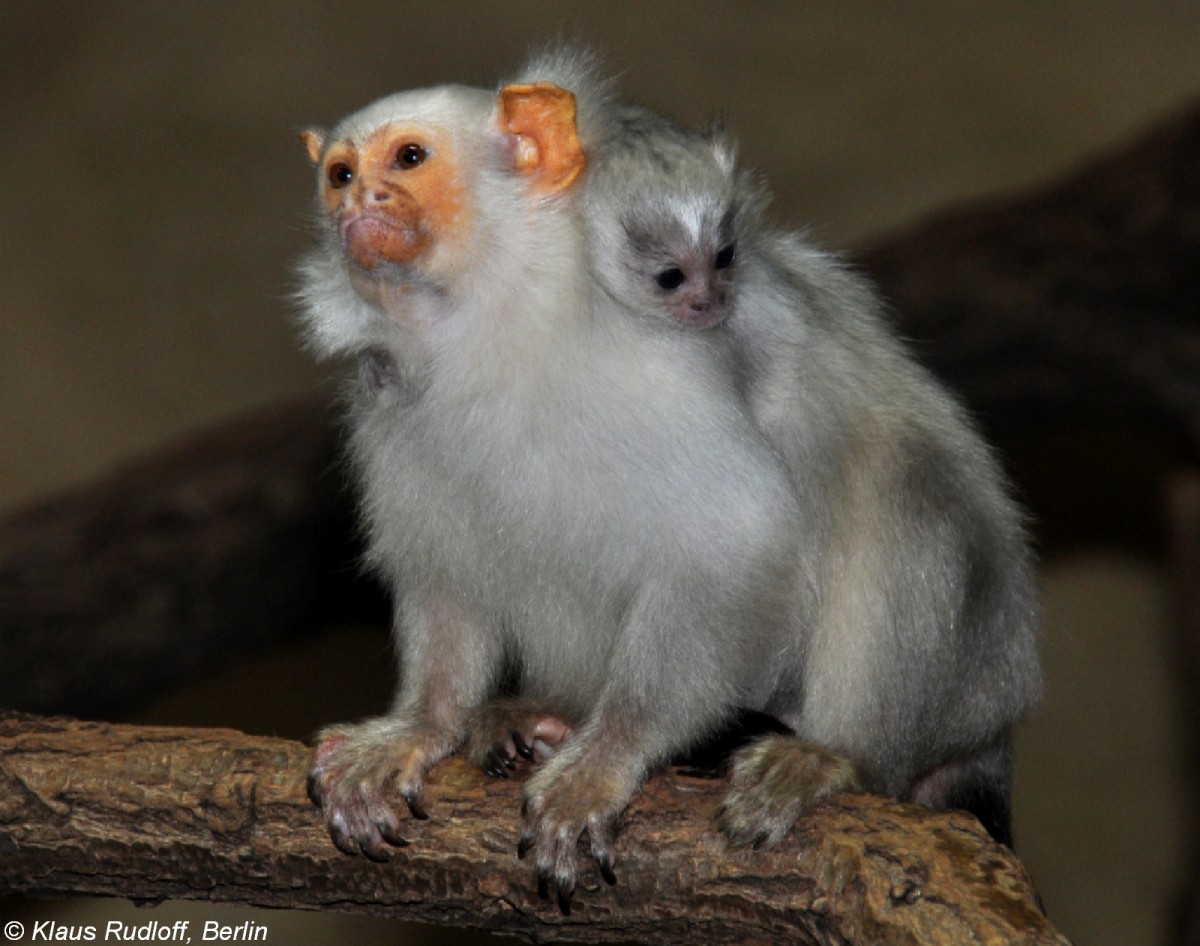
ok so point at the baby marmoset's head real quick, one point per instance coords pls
(668, 211)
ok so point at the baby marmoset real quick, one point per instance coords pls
(920, 651)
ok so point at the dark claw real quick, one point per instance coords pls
(543, 879)
(523, 845)
(313, 787)
(503, 755)
(389, 834)
(494, 766)
(376, 854)
(564, 879)
(606, 862)
(343, 842)
(523, 747)
(415, 807)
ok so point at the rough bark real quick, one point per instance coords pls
(153, 813)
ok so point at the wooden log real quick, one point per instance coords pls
(155, 813)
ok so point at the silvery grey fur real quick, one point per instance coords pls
(648, 525)
(913, 648)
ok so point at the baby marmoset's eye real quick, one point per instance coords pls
(725, 256)
(671, 278)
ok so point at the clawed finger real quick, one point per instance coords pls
(313, 787)
(499, 761)
(523, 748)
(415, 806)
(556, 863)
(601, 833)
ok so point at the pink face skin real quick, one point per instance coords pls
(696, 292)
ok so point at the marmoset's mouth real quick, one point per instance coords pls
(372, 239)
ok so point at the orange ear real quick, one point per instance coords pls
(314, 141)
(541, 118)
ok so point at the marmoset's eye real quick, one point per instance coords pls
(671, 278)
(410, 156)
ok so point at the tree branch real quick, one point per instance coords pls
(1077, 303)
(154, 813)
(123, 588)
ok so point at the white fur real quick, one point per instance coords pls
(587, 496)
(915, 642)
(651, 526)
